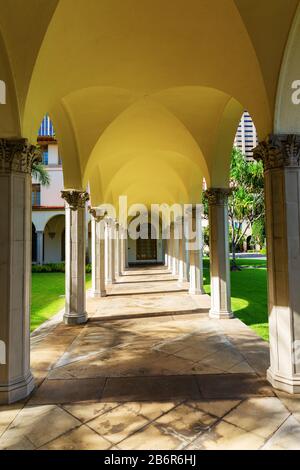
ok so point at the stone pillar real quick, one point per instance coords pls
(98, 255)
(166, 249)
(122, 249)
(111, 252)
(187, 260)
(181, 261)
(281, 157)
(106, 249)
(118, 249)
(175, 270)
(75, 312)
(182, 255)
(126, 253)
(195, 256)
(40, 247)
(219, 253)
(16, 158)
(170, 251)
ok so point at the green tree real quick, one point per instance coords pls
(40, 173)
(246, 203)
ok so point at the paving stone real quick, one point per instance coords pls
(36, 425)
(82, 438)
(262, 416)
(287, 436)
(153, 438)
(88, 411)
(225, 436)
(217, 408)
(118, 424)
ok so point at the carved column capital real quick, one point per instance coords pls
(75, 198)
(16, 155)
(279, 151)
(94, 215)
(218, 196)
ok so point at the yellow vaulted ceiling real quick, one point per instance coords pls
(145, 95)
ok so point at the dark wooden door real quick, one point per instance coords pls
(146, 249)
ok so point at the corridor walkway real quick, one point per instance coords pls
(150, 370)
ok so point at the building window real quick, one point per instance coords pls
(45, 157)
(36, 195)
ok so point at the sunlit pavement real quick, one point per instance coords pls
(150, 370)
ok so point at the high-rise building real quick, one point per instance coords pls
(246, 137)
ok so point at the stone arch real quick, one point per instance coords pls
(287, 112)
(53, 239)
(34, 244)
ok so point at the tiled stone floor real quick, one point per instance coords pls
(150, 371)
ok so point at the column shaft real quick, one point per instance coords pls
(75, 312)
(16, 157)
(98, 258)
(111, 253)
(280, 155)
(219, 253)
(40, 247)
(196, 262)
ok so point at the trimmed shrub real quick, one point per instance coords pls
(54, 268)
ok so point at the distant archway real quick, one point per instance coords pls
(34, 244)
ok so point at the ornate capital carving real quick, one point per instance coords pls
(279, 151)
(217, 196)
(93, 212)
(75, 199)
(18, 156)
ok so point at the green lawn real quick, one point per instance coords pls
(248, 290)
(48, 296)
(249, 294)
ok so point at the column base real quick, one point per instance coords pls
(75, 319)
(285, 384)
(197, 292)
(221, 315)
(16, 391)
(97, 294)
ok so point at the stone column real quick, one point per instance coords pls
(281, 157)
(166, 249)
(170, 251)
(118, 249)
(195, 256)
(181, 261)
(98, 255)
(126, 253)
(40, 247)
(16, 158)
(181, 254)
(175, 256)
(111, 252)
(75, 312)
(187, 260)
(106, 249)
(219, 253)
(122, 250)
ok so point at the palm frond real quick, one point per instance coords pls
(40, 173)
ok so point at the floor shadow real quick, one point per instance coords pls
(149, 315)
(155, 388)
(143, 282)
(152, 292)
(136, 273)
